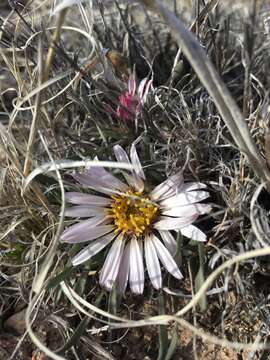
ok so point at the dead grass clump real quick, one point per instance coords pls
(60, 86)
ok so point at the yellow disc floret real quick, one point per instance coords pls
(132, 212)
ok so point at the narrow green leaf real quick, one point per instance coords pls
(199, 279)
(64, 275)
(178, 255)
(163, 335)
(173, 344)
(78, 332)
(112, 305)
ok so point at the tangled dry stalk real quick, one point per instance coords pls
(208, 113)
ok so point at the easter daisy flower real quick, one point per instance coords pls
(136, 224)
(133, 99)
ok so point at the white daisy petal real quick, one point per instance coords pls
(136, 270)
(120, 154)
(107, 178)
(83, 227)
(83, 236)
(133, 180)
(166, 258)
(169, 241)
(110, 268)
(192, 232)
(93, 183)
(187, 210)
(122, 277)
(136, 179)
(86, 199)
(136, 162)
(166, 223)
(168, 187)
(92, 249)
(184, 198)
(85, 211)
(193, 186)
(137, 182)
(99, 178)
(152, 263)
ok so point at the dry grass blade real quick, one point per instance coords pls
(190, 121)
(34, 125)
(69, 164)
(204, 13)
(226, 105)
(54, 41)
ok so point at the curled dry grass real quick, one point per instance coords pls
(56, 81)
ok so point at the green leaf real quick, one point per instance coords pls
(64, 275)
(178, 255)
(112, 305)
(75, 337)
(200, 278)
(173, 344)
(81, 284)
(163, 335)
(78, 332)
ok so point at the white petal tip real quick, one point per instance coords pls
(179, 276)
(137, 292)
(76, 263)
(193, 233)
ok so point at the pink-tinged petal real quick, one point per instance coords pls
(128, 104)
(136, 162)
(166, 223)
(132, 85)
(99, 179)
(152, 263)
(143, 90)
(86, 199)
(106, 178)
(122, 278)
(136, 270)
(79, 236)
(141, 87)
(187, 210)
(168, 187)
(92, 249)
(133, 180)
(192, 232)
(81, 228)
(169, 241)
(111, 266)
(93, 183)
(184, 198)
(85, 211)
(146, 91)
(120, 154)
(166, 258)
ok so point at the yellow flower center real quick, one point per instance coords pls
(132, 212)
